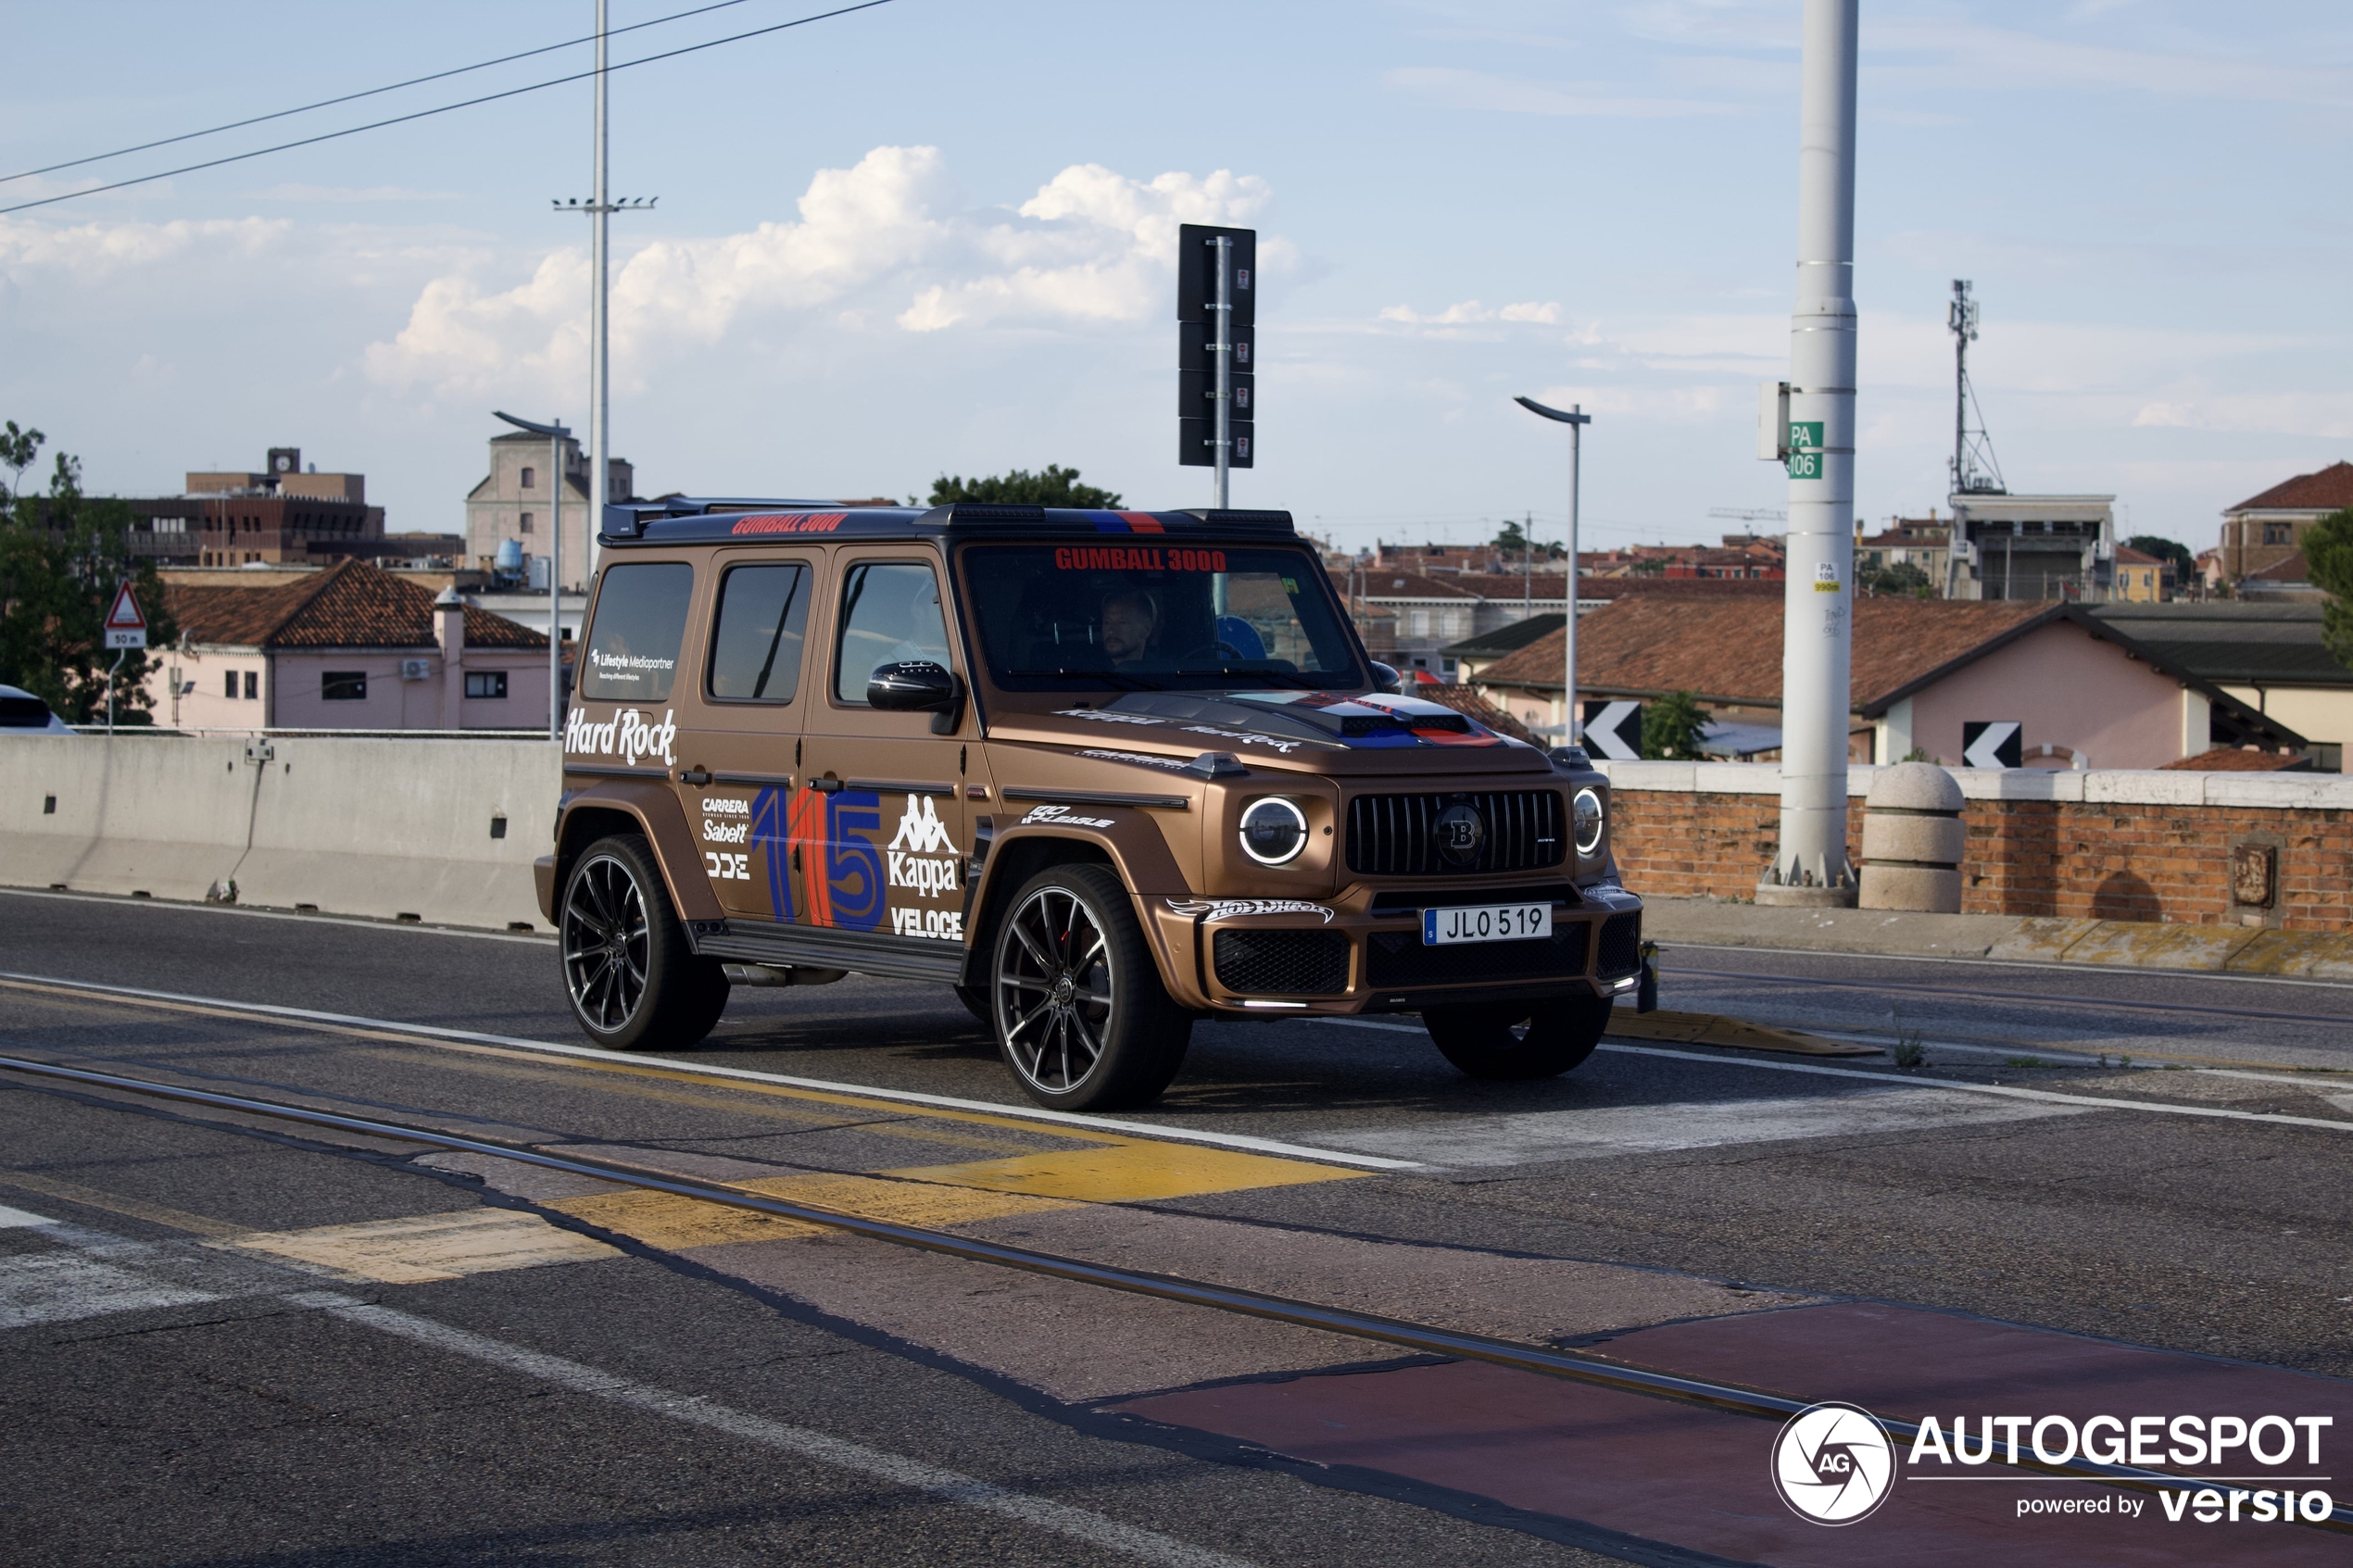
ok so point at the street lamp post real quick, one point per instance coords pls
(1576, 418)
(556, 435)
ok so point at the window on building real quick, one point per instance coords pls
(633, 642)
(2275, 533)
(345, 686)
(530, 478)
(253, 685)
(755, 653)
(486, 682)
(525, 526)
(231, 691)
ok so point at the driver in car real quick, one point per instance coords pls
(1130, 621)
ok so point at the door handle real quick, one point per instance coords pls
(825, 785)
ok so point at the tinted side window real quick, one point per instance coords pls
(755, 639)
(890, 613)
(641, 618)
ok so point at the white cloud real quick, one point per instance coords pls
(886, 237)
(1470, 312)
(82, 249)
(1483, 90)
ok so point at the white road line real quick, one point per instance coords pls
(544, 940)
(2006, 1091)
(38, 1288)
(432, 1033)
(1081, 1525)
(1601, 1132)
(20, 1219)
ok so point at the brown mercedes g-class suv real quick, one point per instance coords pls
(1104, 772)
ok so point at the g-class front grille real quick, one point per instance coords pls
(1454, 835)
(1283, 963)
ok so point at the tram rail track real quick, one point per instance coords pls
(1546, 1361)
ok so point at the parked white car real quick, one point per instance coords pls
(20, 710)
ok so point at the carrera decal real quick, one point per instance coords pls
(791, 522)
(1060, 814)
(1141, 760)
(628, 735)
(1228, 908)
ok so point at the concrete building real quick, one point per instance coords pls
(2265, 530)
(2142, 578)
(349, 647)
(516, 502)
(2032, 547)
(278, 513)
(2085, 693)
(1908, 541)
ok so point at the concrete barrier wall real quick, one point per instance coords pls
(364, 827)
(2155, 845)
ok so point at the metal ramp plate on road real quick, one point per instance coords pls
(1713, 1029)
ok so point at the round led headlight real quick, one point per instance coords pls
(1587, 810)
(1274, 831)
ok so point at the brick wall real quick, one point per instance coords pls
(2108, 859)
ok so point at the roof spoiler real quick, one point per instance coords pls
(627, 520)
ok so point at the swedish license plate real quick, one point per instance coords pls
(1486, 922)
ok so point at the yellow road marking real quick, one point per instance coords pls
(425, 1247)
(1713, 1029)
(661, 1219)
(674, 1223)
(1134, 1173)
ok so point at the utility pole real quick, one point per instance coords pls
(1810, 866)
(600, 207)
(1576, 418)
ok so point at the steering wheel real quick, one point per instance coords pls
(1207, 648)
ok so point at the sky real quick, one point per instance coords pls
(938, 237)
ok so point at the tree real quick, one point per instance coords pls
(1673, 727)
(18, 448)
(1905, 580)
(63, 554)
(2328, 561)
(1052, 488)
(2169, 550)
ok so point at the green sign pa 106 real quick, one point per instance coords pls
(1805, 449)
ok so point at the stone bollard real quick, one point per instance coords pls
(1913, 838)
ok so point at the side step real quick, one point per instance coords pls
(897, 957)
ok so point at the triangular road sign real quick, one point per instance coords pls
(126, 626)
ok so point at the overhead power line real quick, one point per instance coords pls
(445, 108)
(371, 93)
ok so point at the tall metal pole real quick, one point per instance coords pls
(1810, 866)
(1571, 725)
(1222, 444)
(555, 586)
(599, 392)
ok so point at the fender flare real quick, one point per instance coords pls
(653, 805)
(1137, 851)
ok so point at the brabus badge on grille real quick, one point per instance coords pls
(1460, 830)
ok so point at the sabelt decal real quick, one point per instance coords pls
(1140, 760)
(717, 828)
(628, 735)
(1229, 909)
(1060, 815)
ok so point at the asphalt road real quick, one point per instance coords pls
(179, 1392)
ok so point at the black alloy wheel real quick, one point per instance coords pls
(1081, 1016)
(1519, 1042)
(633, 980)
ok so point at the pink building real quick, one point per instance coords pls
(351, 647)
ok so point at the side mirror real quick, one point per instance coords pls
(918, 687)
(1385, 677)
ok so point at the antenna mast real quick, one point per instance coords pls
(1974, 470)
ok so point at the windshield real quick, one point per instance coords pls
(1157, 617)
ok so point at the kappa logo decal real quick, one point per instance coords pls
(920, 857)
(920, 829)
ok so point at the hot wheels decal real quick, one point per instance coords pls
(1227, 909)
